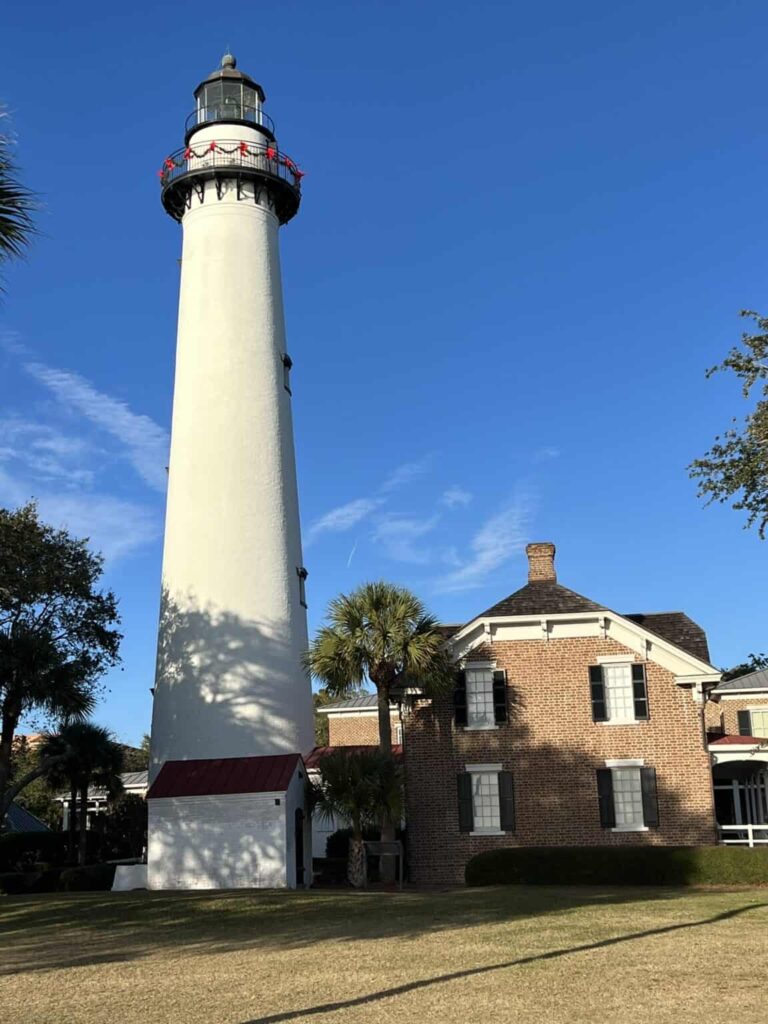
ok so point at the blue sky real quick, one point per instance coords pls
(526, 232)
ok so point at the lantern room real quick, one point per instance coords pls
(230, 96)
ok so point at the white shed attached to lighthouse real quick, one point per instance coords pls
(230, 683)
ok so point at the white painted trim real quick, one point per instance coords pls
(488, 833)
(629, 828)
(616, 659)
(489, 768)
(627, 762)
(739, 694)
(623, 721)
(665, 653)
(477, 728)
(483, 666)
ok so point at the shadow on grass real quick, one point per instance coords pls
(470, 972)
(60, 931)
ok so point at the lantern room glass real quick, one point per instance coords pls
(224, 100)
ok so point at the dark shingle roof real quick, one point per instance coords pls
(546, 597)
(677, 628)
(19, 819)
(542, 597)
(751, 681)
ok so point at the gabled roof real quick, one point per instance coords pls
(365, 702)
(542, 597)
(733, 741)
(224, 776)
(315, 756)
(677, 628)
(547, 597)
(751, 681)
(19, 819)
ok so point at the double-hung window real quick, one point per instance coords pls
(626, 792)
(753, 722)
(480, 697)
(486, 800)
(619, 692)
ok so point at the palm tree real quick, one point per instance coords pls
(83, 755)
(382, 633)
(17, 205)
(361, 788)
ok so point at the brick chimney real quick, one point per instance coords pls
(541, 562)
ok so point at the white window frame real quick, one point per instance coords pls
(628, 762)
(479, 666)
(486, 769)
(761, 710)
(618, 661)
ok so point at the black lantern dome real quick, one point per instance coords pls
(230, 96)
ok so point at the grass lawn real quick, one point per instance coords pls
(543, 955)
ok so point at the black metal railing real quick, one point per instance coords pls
(230, 154)
(232, 112)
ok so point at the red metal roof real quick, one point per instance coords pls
(225, 775)
(315, 756)
(751, 741)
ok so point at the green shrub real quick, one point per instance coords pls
(14, 883)
(620, 865)
(20, 850)
(93, 878)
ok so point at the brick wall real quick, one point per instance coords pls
(723, 716)
(552, 747)
(362, 728)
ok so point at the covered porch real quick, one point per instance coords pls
(740, 779)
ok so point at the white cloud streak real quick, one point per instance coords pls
(145, 442)
(342, 518)
(404, 474)
(497, 540)
(456, 497)
(399, 538)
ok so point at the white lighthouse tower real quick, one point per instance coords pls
(232, 703)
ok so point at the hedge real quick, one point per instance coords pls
(93, 878)
(620, 865)
(15, 883)
(19, 850)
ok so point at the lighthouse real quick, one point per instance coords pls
(232, 711)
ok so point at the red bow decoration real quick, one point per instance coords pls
(161, 173)
(298, 175)
(271, 153)
(187, 153)
(212, 147)
(170, 164)
(243, 147)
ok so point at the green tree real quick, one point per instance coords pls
(754, 663)
(125, 826)
(83, 755)
(736, 466)
(137, 758)
(382, 633)
(320, 698)
(37, 797)
(362, 789)
(57, 631)
(17, 204)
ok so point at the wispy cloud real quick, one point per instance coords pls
(43, 451)
(144, 441)
(546, 453)
(404, 474)
(455, 497)
(399, 537)
(497, 540)
(342, 518)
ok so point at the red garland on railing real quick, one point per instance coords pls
(169, 164)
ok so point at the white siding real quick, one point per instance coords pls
(218, 842)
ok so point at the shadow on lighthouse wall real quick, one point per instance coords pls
(224, 686)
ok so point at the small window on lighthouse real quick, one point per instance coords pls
(302, 574)
(287, 364)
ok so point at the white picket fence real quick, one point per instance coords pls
(743, 835)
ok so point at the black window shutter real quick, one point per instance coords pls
(640, 690)
(597, 686)
(745, 723)
(460, 698)
(650, 801)
(605, 797)
(506, 802)
(466, 817)
(500, 696)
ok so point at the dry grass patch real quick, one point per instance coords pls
(506, 954)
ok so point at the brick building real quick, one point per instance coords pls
(571, 724)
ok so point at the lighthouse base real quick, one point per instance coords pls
(230, 823)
